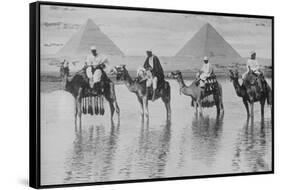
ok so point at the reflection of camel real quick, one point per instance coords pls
(251, 148)
(206, 135)
(153, 149)
(92, 156)
(251, 94)
(78, 86)
(139, 88)
(198, 94)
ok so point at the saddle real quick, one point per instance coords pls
(98, 87)
(251, 78)
(210, 84)
(255, 80)
(160, 86)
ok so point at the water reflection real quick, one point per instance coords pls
(206, 138)
(251, 147)
(92, 154)
(190, 146)
(153, 149)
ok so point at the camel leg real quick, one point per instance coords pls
(196, 107)
(145, 107)
(262, 102)
(117, 109)
(218, 104)
(75, 114)
(112, 109)
(141, 105)
(116, 106)
(168, 109)
(221, 99)
(79, 111)
(218, 109)
(252, 109)
(200, 107)
(221, 104)
(166, 98)
(247, 107)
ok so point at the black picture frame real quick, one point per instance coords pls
(34, 99)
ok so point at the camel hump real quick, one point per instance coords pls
(250, 78)
(255, 80)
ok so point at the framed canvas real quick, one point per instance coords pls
(123, 94)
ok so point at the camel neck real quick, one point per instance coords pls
(129, 82)
(237, 87)
(187, 90)
(181, 82)
(66, 84)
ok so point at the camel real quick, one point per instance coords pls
(250, 93)
(143, 96)
(198, 94)
(78, 86)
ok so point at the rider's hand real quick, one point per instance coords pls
(149, 69)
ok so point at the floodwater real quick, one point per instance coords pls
(190, 146)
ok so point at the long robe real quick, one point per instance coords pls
(156, 70)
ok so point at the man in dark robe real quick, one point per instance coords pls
(153, 66)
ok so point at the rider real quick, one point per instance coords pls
(155, 73)
(205, 71)
(65, 67)
(95, 64)
(252, 64)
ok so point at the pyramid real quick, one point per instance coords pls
(207, 42)
(89, 35)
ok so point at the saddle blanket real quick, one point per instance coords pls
(93, 76)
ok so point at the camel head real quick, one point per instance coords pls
(175, 75)
(121, 72)
(233, 75)
(64, 69)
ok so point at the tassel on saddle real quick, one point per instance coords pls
(90, 107)
(93, 101)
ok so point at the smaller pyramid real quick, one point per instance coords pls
(208, 42)
(89, 35)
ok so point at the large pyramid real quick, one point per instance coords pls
(87, 36)
(207, 42)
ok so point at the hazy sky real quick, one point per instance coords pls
(135, 31)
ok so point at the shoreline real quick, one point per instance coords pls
(51, 81)
(187, 74)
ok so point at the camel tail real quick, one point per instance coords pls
(269, 95)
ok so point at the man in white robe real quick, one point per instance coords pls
(205, 71)
(98, 62)
(252, 64)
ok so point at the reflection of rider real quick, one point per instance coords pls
(95, 63)
(205, 71)
(155, 74)
(252, 64)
